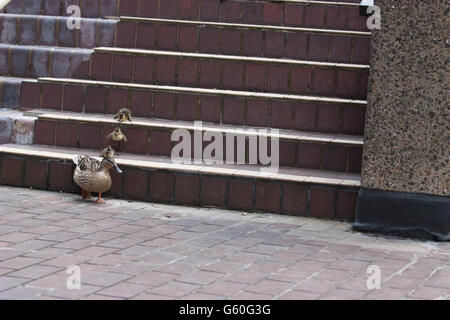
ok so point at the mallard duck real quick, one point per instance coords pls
(108, 152)
(123, 115)
(117, 135)
(92, 175)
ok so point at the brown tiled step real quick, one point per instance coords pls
(319, 14)
(305, 192)
(230, 72)
(153, 137)
(304, 113)
(41, 61)
(53, 31)
(337, 14)
(89, 8)
(244, 39)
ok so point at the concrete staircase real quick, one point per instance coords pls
(238, 66)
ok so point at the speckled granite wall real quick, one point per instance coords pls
(407, 134)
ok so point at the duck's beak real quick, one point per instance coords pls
(117, 168)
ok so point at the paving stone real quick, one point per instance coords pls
(65, 261)
(60, 236)
(387, 294)
(267, 266)
(33, 244)
(152, 278)
(251, 296)
(289, 276)
(104, 279)
(299, 295)
(403, 282)
(161, 258)
(123, 290)
(145, 296)
(429, 293)
(316, 285)
(269, 287)
(132, 268)
(341, 294)
(161, 242)
(17, 237)
(35, 271)
(174, 289)
(53, 281)
(43, 229)
(47, 253)
(110, 259)
(222, 288)
(7, 282)
(225, 267)
(199, 277)
(65, 293)
(7, 253)
(246, 257)
(439, 280)
(21, 293)
(262, 248)
(18, 262)
(94, 251)
(75, 244)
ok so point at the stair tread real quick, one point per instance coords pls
(18, 79)
(226, 92)
(163, 163)
(40, 16)
(172, 124)
(243, 25)
(182, 54)
(44, 47)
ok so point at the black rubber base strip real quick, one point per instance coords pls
(404, 214)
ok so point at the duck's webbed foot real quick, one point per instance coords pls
(99, 200)
(85, 195)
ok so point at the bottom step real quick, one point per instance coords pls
(315, 193)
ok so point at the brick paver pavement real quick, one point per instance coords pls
(134, 250)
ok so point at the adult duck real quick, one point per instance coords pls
(92, 175)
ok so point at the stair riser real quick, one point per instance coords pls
(234, 41)
(233, 75)
(157, 142)
(286, 14)
(53, 31)
(249, 111)
(160, 186)
(10, 93)
(89, 8)
(37, 62)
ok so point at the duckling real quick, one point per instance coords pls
(92, 175)
(123, 115)
(108, 152)
(117, 135)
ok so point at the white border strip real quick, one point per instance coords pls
(228, 57)
(244, 26)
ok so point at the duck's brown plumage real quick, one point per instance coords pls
(93, 175)
(123, 115)
(117, 135)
